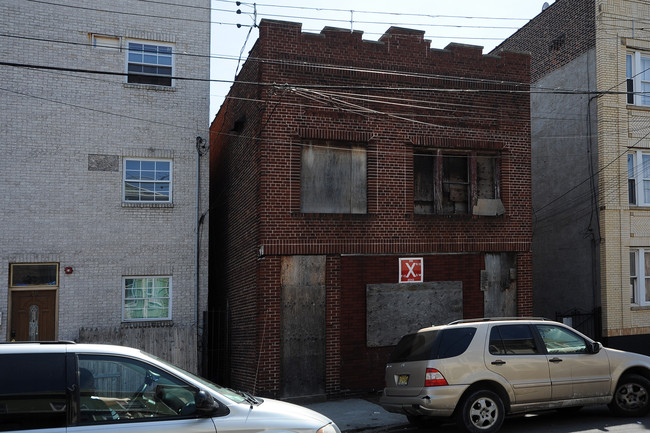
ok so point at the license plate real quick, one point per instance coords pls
(402, 380)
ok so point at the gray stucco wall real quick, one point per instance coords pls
(565, 222)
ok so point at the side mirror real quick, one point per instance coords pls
(206, 405)
(594, 347)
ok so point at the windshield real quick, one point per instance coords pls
(237, 397)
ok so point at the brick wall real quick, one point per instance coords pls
(363, 367)
(66, 210)
(437, 99)
(557, 36)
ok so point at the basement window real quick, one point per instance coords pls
(448, 183)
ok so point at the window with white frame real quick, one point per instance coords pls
(633, 276)
(147, 180)
(149, 63)
(638, 178)
(147, 298)
(637, 69)
(640, 276)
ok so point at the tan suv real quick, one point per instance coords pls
(478, 371)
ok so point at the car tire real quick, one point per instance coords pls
(631, 397)
(481, 411)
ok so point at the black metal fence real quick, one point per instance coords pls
(587, 322)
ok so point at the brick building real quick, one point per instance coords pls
(361, 190)
(590, 147)
(101, 110)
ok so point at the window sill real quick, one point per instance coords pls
(150, 87)
(459, 216)
(635, 307)
(147, 205)
(148, 323)
(312, 215)
(633, 107)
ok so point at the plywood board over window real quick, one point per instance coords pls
(394, 310)
(333, 178)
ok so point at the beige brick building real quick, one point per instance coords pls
(590, 62)
(103, 178)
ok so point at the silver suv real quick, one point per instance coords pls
(80, 388)
(477, 371)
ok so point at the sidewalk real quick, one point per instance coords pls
(357, 414)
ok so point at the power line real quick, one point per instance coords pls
(96, 110)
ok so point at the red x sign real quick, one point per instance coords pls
(411, 270)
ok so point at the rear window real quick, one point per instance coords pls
(32, 391)
(438, 344)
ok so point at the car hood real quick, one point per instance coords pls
(618, 357)
(271, 414)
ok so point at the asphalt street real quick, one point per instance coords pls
(365, 415)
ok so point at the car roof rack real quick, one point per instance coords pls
(495, 319)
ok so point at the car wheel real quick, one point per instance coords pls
(631, 397)
(481, 412)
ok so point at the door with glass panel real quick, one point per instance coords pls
(32, 315)
(33, 301)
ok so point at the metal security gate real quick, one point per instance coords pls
(586, 322)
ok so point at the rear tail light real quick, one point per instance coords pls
(434, 378)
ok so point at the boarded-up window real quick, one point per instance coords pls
(453, 183)
(486, 177)
(333, 178)
(423, 173)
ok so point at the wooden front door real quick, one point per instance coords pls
(33, 314)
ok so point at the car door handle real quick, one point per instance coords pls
(498, 362)
(555, 360)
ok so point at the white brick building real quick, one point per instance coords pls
(101, 182)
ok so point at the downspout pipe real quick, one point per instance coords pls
(200, 148)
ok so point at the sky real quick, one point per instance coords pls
(476, 22)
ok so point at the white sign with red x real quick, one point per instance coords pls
(411, 270)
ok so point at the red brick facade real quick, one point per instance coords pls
(431, 100)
